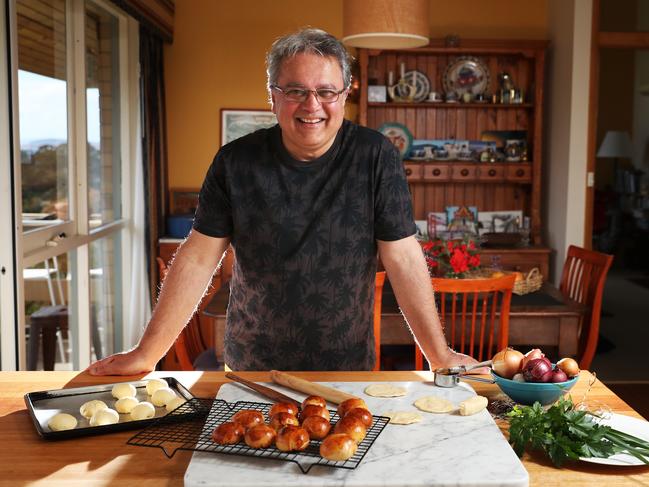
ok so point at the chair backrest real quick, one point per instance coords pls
(582, 280)
(378, 299)
(469, 310)
(190, 342)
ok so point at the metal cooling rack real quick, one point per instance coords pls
(190, 428)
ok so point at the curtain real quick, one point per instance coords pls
(154, 146)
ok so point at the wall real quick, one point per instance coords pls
(217, 58)
(564, 186)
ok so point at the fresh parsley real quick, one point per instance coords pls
(565, 433)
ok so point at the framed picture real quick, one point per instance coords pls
(238, 122)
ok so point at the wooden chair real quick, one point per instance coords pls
(469, 310)
(378, 298)
(582, 280)
(191, 343)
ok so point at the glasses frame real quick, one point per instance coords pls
(308, 92)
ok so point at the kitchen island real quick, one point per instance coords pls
(108, 460)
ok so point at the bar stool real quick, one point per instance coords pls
(47, 321)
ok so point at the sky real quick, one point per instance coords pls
(42, 109)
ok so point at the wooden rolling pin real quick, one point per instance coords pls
(271, 394)
(329, 393)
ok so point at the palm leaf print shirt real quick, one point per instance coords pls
(304, 236)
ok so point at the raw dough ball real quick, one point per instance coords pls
(385, 390)
(123, 390)
(62, 422)
(126, 404)
(144, 410)
(175, 403)
(433, 404)
(155, 384)
(162, 396)
(103, 417)
(473, 405)
(403, 417)
(89, 408)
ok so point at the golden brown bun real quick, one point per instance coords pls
(283, 407)
(260, 436)
(292, 438)
(338, 447)
(317, 427)
(315, 400)
(351, 426)
(313, 410)
(349, 404)
(363, 414)
(283, 419)
(248, 418)
(229, 433)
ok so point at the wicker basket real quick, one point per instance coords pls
(530, 283)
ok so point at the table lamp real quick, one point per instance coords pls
(616, 145)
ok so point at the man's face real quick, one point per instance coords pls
(309, 128)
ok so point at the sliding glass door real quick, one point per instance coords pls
(73, 96)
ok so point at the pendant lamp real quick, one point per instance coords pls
(385, 24)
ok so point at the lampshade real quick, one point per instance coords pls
(616, 143)
(385, 24)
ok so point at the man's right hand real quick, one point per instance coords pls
(132, 362)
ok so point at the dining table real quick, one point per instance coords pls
(544, 318)
(107, 459)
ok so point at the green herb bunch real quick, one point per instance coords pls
(565, 433)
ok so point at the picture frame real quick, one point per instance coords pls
(237, 122)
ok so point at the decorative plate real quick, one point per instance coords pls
(466, 75)
(399, 135)
(421, 83)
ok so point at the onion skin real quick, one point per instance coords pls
(531, 355)
(537, 370)
(569, 366)
(507, 363)
(558, 375)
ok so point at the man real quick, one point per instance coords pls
(306, 205)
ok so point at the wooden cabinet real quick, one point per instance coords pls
(488, 186)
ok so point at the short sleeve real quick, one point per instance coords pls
(214, 213)
(392, 204)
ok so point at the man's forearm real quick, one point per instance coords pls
(185, 284)
(409, 278)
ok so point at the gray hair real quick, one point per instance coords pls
(311, 41)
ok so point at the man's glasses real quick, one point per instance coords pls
(299, 95)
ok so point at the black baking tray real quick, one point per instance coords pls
(42, 405)
(190, 428)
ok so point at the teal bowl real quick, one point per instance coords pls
(530, 392)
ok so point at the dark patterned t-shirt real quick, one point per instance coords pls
(304, 238)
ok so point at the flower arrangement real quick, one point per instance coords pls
(451, 258)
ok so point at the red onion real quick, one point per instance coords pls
(558, 375)
(531, 355)
(537, 370)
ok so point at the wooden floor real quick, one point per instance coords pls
(635, 395)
